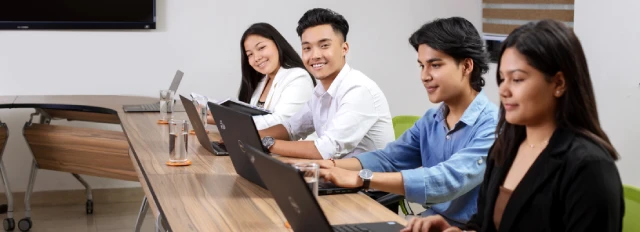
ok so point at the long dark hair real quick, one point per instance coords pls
(552, 47)
(288, 58)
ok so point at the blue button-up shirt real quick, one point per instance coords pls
(442, 168)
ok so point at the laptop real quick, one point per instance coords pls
(237, 105)
(155, 107)
(238, 130)
(244, 107)
(198, 126)
(235, 127)
(297, 203)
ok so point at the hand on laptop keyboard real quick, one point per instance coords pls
(342, 177)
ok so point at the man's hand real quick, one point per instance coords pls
(321, 163)
(342, 177)
(434, 223)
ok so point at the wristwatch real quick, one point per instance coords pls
(268, 142)
(366, 176)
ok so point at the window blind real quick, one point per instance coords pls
(500, 17)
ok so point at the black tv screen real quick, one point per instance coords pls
(77, 14)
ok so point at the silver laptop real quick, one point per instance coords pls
(201, 132)
(155, 107)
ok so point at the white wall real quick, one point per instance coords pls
(201, 37)
(610, 36)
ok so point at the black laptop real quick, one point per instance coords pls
(294, 197)
(239, 130)
(155, 107)
(235, 127)
(201, 132)
(244, 107)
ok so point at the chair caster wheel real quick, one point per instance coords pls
(9, 224)
(89, 207)
(25, 224)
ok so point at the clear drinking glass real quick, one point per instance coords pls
(311, 173)
(201, 104)
(178, 141)
(166, 104)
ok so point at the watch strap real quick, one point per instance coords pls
(365, 184)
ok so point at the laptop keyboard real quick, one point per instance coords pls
(218, 147)
(349, 228)
(322, 184)
(150, 107)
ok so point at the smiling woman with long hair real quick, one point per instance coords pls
(273, 75)
(552, 167)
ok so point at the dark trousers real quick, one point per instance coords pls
(394, 207)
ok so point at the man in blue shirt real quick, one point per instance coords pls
(440, 161)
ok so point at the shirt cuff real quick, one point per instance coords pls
(325, 147)
(414, 185)
(370, 161)
(260, 122)
(287, 126)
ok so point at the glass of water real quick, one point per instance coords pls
(178, 141)
(201, 104)
(311, 173)
(166, 104)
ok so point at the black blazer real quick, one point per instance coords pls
(573, 185)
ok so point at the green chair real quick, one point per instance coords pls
(630, 222)
(400, 124)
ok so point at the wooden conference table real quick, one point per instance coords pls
(7, 100)
(206, 196)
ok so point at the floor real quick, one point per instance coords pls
(117, 217)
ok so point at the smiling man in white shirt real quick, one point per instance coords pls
(348, 111)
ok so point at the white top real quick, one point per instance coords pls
(291, 89)
(351, 117)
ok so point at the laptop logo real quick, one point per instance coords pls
(241, 145)
(222, 126)
(294, 205)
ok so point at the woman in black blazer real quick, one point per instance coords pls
(552, 166)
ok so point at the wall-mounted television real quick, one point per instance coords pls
(77, 14)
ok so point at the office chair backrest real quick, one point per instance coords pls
(402, 123)
(632, 209)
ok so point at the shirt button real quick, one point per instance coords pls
(448, 137)
(480, 161)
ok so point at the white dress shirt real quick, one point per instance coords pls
(351, 117)
(291, 89)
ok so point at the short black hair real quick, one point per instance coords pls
(321, 16)
(458, 38)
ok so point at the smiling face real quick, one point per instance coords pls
(262, 54)
(442, 76)
(527, 95)
(323, 51)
